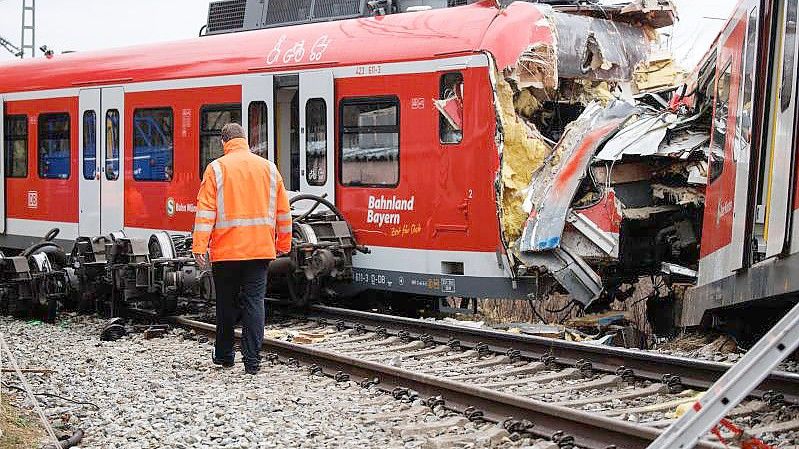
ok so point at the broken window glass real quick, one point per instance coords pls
(450, 108)
(720, 116)
(316, 142)
(370, 142)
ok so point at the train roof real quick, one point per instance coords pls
(375, 40)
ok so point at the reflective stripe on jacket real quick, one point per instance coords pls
(242, 208)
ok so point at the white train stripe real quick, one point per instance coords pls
(475, 263)
(38, 228)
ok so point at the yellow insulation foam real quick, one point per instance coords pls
(522, 155)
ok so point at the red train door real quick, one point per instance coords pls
(100, 184)
(2, 167)
(316, 133)
(742, 136)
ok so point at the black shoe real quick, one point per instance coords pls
(223, 363)
(252, 369)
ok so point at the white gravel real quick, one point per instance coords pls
(165, 393)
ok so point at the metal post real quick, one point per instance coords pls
(28, 29)
(735, 385)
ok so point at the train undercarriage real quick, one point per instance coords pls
(118, 275)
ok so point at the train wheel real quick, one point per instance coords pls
(52, 310)
(166, 305)
(302, 290)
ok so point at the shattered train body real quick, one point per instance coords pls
(603, 172)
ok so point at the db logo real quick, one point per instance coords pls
(33, 199)
(170, 206)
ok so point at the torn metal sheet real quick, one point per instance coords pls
(643, 213)
(682, 144)
(673, 268)
(697, 173)
(570, 270)
(553, 188)
(680, 195)
(606, 241)
(598, 49)
(652, 13)
(642, 137)
(583, 246)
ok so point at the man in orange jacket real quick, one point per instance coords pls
(243, 219)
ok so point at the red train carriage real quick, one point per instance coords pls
(749, 246)
(117, 140)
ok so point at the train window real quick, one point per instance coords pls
(370, 142)
(89, 145)
(720, 116)
(153, 144)
(54, 146)
(112, 145)
(788, 56)
(212, 120)
(259, 131)
(745, 103)
(16, 137)
(316, 142)
(450, 108)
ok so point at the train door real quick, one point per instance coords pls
(717, 226)
(780, 157)
(742, 139)
(112, 199)
(2, 167)
(316, 137)
(287, 130)
(258, 115)
(88, 149)
(101, 189)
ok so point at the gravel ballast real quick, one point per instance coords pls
(166, 393)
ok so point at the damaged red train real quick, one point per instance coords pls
(473, 151)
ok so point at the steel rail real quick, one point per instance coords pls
(645, 364)
(591, 431)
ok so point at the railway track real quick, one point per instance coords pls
(602, 397)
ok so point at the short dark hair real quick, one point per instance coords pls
(232, 131)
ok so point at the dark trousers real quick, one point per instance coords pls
(240, 291)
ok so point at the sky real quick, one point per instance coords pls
(82, 25)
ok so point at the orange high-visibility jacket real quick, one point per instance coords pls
(242, 208)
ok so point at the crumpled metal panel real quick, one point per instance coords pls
(553, 188)
(647, 137)
(598, 49)
(570, 270)
(642, 137)
(653, 13)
